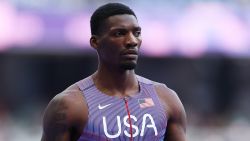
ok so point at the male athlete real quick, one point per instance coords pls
(114, 103)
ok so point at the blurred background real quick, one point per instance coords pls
(199, 48)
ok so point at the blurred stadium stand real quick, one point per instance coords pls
(201, 51)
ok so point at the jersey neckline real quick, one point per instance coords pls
(137, 94)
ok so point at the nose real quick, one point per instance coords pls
(131, 41)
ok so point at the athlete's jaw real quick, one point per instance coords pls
(129, 59)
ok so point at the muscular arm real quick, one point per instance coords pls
(176, 128)
(64, 117)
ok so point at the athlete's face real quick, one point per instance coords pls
(120, 41)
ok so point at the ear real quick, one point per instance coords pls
(94, 41)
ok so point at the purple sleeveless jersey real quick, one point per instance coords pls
(137, 118)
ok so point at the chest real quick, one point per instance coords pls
(136, 117)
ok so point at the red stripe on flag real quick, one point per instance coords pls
(146, 102)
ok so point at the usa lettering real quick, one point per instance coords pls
(146, 117)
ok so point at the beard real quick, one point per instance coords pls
(128, 65)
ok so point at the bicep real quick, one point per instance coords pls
(175, 132)
(176, 129)
(55, 126)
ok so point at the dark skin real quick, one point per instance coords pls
(117, 47)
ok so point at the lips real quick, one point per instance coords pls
(130, 52)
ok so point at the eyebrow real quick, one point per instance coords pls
(122, 28)
(138, 28)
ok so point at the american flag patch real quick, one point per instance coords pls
(146, 102)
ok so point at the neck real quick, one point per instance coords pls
(119, 83)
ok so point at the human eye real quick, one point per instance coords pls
(119, 33)
(137, 33)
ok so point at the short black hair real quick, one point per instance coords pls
(105, 11)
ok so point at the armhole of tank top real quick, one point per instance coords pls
(158, 99)
(141, 80)
(85, 83)
(83, 86)
(144, 81)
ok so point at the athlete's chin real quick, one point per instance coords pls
(128, 65)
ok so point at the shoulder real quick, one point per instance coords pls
(164, 91)
(65, 115)
(166, 94)
(170, 100)
(71, 97)
(176, 115)
(67, 107)
(144, 80)
(168, 97)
